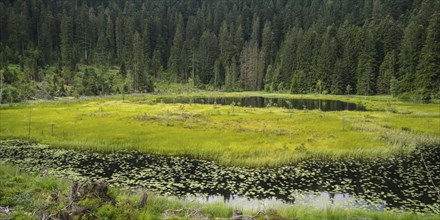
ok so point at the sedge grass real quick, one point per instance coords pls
(231, 135)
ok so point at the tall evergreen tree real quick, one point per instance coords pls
(175, 61)
(268, 44)
(410, 48)
(387, 71)
(367, 65)
(110, 37)
(208, 51)
(326, 60)
(288, 57)
(102, 49)
(66, 45)
(428, 70)
(119, 37)
(137, 66)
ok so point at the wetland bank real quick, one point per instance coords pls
(228, 134)
(404, 182)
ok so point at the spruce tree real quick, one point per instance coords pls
(387, 71)
(427, 79)
(175, 61)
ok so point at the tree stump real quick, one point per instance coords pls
(237, 215)
(143, 200)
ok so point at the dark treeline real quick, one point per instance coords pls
(364, 47)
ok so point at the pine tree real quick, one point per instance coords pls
(297, 85)
(268, 44)
(249, 66)
(83, 36)
(410, 48)
(367, 69)
(156, 65)
(119, 37)
(208, 51)
(110, 37)
(137, 66)
(18, 32)
(326, 60)
(218, 74)
(146, 37)
(226, 44)
(350, 36)
(45, 41)
(175, 61)
(288, 56)
(89, 81)
(238, 40)
(337, 81)
(129, 32)
(428, 70)
(387, 71)
(66, 45)
(3, 23)
(102, 49)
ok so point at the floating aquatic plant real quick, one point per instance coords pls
(402, 182)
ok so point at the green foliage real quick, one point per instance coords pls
(10, 94)
(217, 210)
(26, 192)
(91, 203)
(108, 212)
(356, 43)
(394, 86)
(428, 69)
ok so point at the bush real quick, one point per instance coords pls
(421, 95)
(127, 210)
(108, 212)
(91, 203)
(10, 94)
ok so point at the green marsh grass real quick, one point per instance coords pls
(231, 135)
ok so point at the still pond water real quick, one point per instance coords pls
(261, 102)
(401, 182)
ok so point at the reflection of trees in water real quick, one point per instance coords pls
(369, 180)
(261, 102)
(332, 197)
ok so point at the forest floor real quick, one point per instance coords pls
(228, 134)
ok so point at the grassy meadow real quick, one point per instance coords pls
(231, 135)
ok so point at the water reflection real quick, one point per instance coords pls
(311, 199)
(261, 102)
(372, 184)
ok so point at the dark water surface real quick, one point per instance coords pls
(403, 182)
(261, 102)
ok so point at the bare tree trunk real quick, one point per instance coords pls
(193, 71)
(1, 87)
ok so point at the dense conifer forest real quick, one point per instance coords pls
(52, 48)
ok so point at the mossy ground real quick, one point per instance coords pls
(231, 135)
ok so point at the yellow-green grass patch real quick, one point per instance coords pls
(231, 135)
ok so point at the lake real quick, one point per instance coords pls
(262, 102)
(401, 182)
